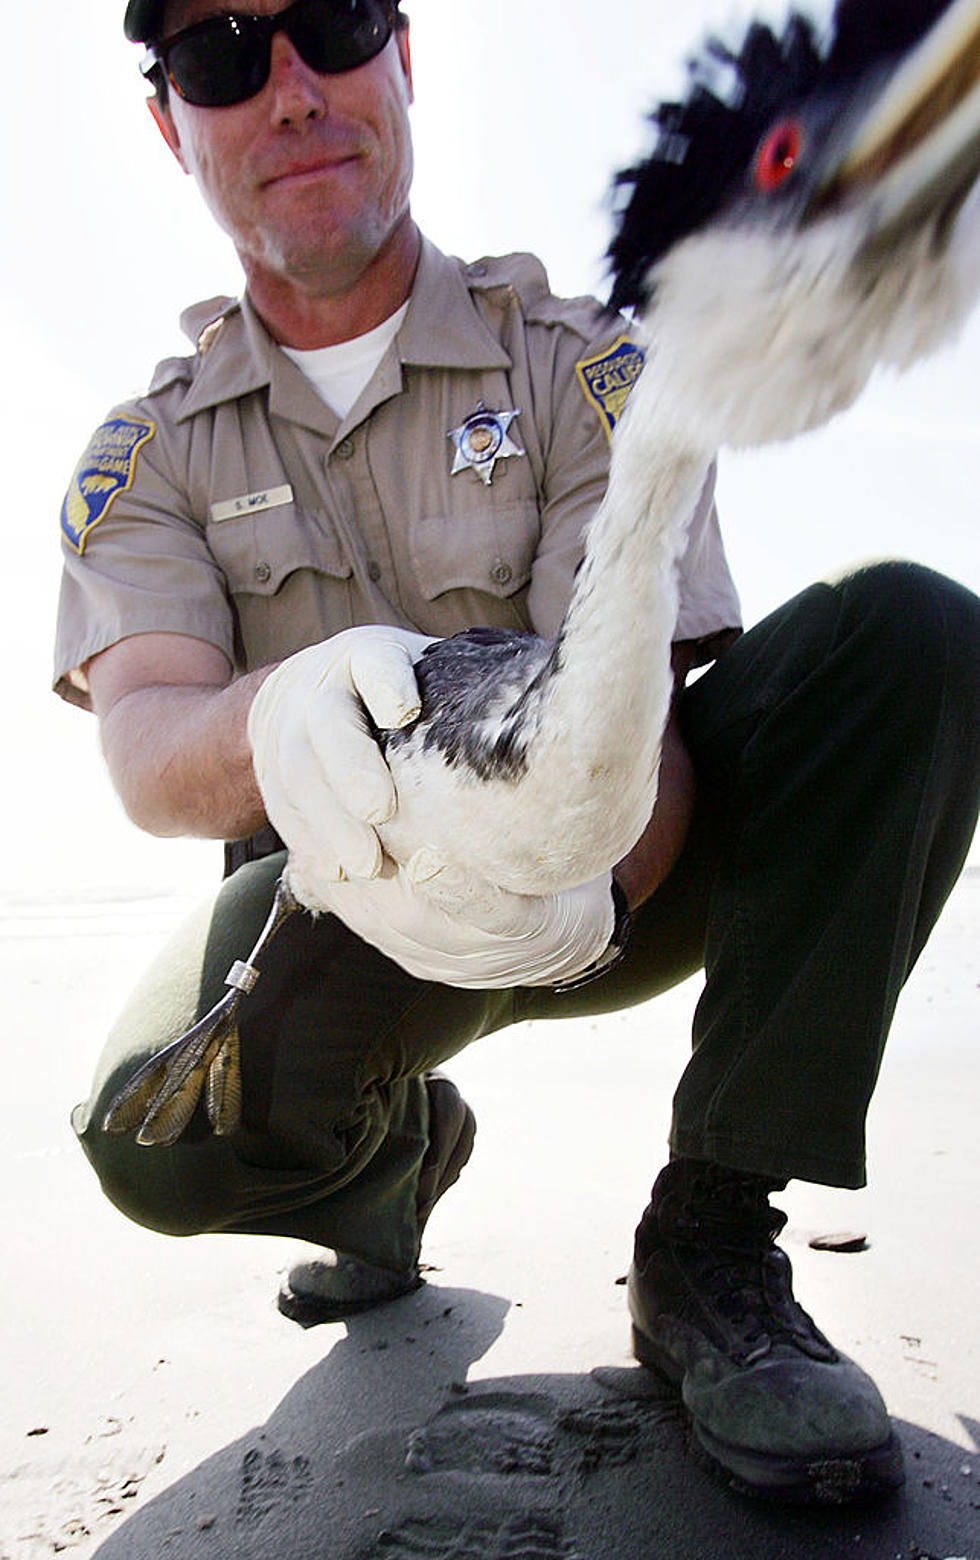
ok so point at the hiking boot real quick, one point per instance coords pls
(337, 1284)
(772, 1405)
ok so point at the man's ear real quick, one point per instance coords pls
(163, 119)
(405, 55)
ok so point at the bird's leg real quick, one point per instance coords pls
(160, 1097)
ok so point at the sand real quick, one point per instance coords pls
(156, 1405)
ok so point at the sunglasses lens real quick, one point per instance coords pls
(218, 63)
(227, 60)
(339, 37)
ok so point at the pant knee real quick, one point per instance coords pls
(917, 635)
(913, 607)
(144, 1183)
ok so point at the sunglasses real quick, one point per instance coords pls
(227, 59)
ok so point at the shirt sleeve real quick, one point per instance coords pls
(708, 603)
(135, 558)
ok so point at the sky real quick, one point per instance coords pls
(523, 113)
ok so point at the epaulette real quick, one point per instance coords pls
(171, 371)
(525, 276)
(203, 322)
(522, 274)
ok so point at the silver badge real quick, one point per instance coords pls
(482, 440)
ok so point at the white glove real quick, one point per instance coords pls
(322, 776)
(509, 940)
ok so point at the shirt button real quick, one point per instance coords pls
(374, 571)
(501, 573)
(263, 573)
(345, 449)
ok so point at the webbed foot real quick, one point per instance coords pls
(161, 1096)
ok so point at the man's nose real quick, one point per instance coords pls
(297, 90)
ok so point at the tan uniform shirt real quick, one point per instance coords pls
(229, 503)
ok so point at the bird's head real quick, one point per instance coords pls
(808, 212)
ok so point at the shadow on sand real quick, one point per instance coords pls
(384, 1452)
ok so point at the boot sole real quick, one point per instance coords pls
(829, 1480)
(451, 1121)
(312, 1310)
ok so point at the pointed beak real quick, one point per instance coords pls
(916, 149)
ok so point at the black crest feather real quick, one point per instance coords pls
(704, 144)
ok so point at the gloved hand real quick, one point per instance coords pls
(484, 940)
(322, 776)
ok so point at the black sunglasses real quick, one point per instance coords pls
(227, 59)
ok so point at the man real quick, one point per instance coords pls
(294, 479)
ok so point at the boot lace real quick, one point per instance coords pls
(723, 1230)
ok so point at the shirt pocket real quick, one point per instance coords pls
(258, 553)
(489, 550)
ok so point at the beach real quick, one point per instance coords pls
(157, 1405)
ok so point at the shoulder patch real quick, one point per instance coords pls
(608, 377)
(104, 471)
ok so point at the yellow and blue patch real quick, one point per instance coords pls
(104, 471)
(608, 378)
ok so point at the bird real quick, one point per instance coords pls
(806, 213)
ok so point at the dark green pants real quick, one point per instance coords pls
(836, 750)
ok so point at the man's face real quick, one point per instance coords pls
(311, 176)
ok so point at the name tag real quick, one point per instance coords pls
(252, 503)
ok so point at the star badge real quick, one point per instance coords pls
(482, 440)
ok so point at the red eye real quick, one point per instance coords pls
(778, 155)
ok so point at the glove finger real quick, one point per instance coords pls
(329, 841)
(383, 675)
(349, 760)
(352, 842)
(293, 827)
(333, 844)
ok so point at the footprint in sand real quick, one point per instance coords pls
(528, 1536)
(492, 1432)
(270, 1479)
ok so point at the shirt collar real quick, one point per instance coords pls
(238, 357)
(443, 329)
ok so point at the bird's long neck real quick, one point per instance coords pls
(603, 711)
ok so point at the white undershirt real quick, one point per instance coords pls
(340, 373)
